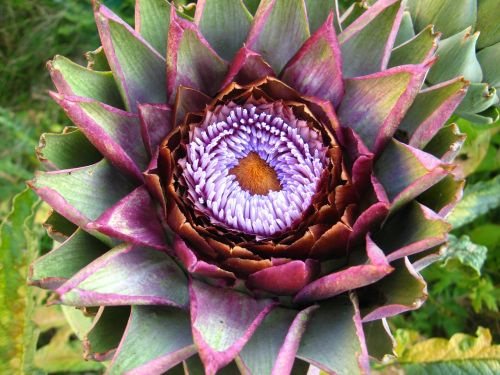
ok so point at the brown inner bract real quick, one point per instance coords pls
(255, 175)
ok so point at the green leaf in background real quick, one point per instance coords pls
(484, 294)
(487, 235)
(462, 354)
(478, 199)
(475, 147)
(467, 367)
(491, 161)
(23, 317)
(63, 352)
(18, 248)
(466, 252)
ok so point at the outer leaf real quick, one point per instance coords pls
(54, 268)
(152, 19)
(127, 275)
(196, 266)
(316, 69)
(479, 97)
(431, 109)
(487, 23)
(273, 20)
(64, 191)
(467, 252)
(224, 23)
(191, 62)
(223, 321)
(416, 50)
(73, 79)
(446, 143)
(247, 66)
(156, 123)
(335, 345)
(155, 340)
(487, 117)
(133, 219)
(379, 339)
(96, 60)
(488, 58)
(366, 43)
(112, 131)
(273, 347)
(411, 230)
(18, 247)
(443, 196)
(58, 227)
(457, 57)
(405, 172)
(69, 149)
(402, 290)
(138, 69)
(478, 199)
(188, 100)
(350, 278)
(448, 16)
(374, 105)
(275, 279)
(104, 336)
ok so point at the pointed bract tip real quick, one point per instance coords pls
(329, 19)
(430, 62)
(56, 96)
(54, 299)
(96, 4)
(31, 184)
(467, 32)
(465, 82)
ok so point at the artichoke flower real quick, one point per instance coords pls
(247, 191)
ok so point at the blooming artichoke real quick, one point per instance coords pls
(247, 192)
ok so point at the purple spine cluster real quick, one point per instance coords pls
(291, 148)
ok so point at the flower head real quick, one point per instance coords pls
(256, 191)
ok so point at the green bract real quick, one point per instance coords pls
(470, 47)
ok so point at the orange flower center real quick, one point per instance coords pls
(255, 175)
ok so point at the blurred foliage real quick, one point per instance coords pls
(461, 354)
(463, 288)
(31, 33)
(19, 246)
(59, 347)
